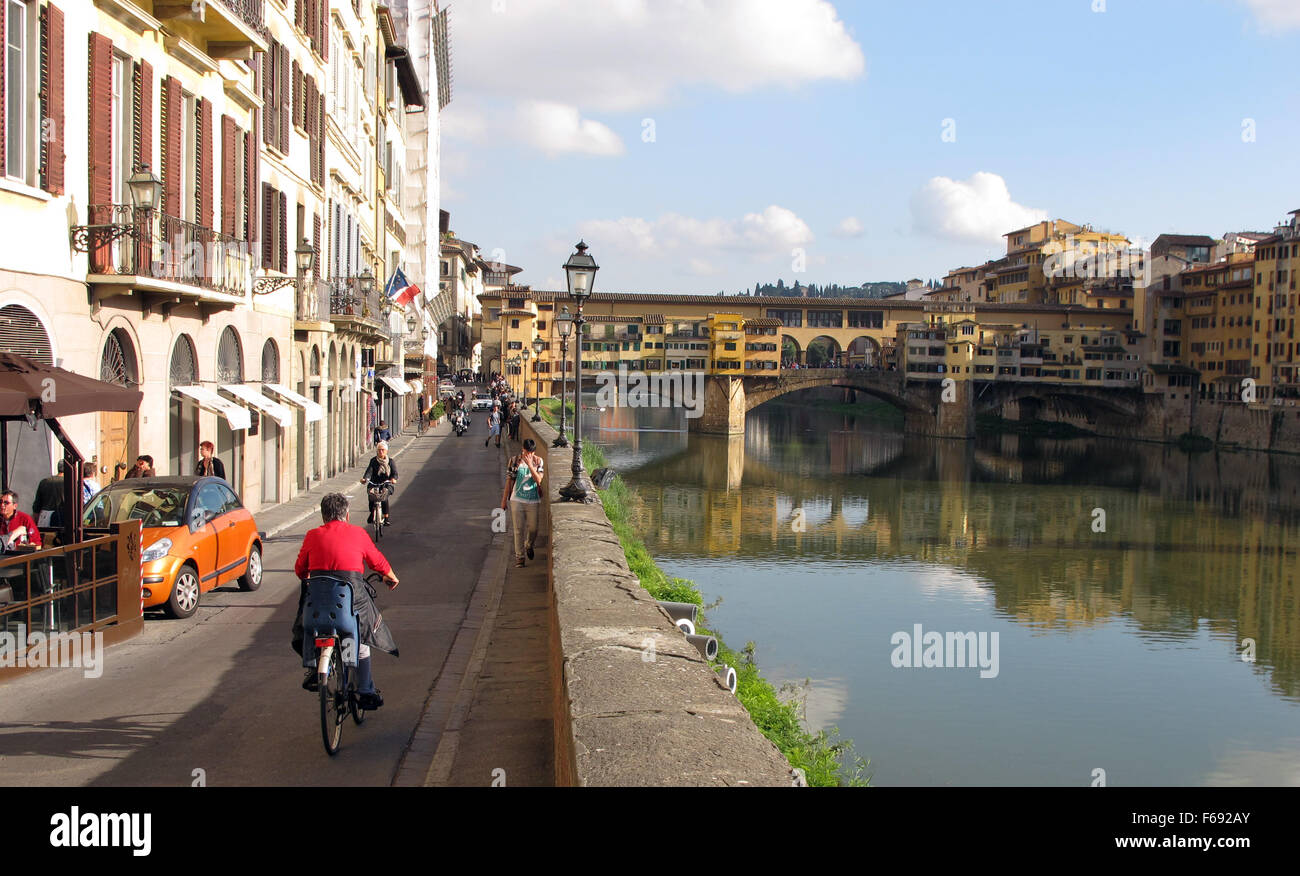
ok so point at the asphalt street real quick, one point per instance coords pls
(218, 698)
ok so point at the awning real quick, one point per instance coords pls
(417, 386)
(254, 399)
(396, 385)
(236, 415)
(314, 411)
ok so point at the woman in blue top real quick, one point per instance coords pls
(494, 426)
(523, 496)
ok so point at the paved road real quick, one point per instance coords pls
(221, 691)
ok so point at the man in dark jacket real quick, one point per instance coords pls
(49, 497)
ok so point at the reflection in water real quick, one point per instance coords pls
(1198, 552)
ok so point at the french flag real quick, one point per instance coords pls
(401, 290)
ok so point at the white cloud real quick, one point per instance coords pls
(773, 232)
(977, 210)
(850, 227)
(702, 268)
(555, 128)
(1279, 14)
(626, 54)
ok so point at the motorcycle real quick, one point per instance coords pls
(460, 423)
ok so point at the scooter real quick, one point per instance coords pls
(460, 423)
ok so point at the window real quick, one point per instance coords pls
(20, 92)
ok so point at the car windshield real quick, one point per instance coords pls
(153, 506)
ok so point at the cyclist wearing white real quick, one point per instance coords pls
(382, 469)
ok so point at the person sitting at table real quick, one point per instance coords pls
(11, 519)
(209, 465)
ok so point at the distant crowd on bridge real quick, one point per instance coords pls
(839, 362)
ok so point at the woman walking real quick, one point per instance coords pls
(522, 495)
(494, 426)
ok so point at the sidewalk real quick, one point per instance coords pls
(278, 518)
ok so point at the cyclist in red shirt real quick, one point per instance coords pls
(342, 550)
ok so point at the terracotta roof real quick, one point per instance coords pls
(600, 317)
(517, 313)
(654, 319)
(763, 322)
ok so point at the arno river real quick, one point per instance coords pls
(828, 535)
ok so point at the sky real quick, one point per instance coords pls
(701, 146)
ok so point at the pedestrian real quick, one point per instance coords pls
(143, 468)
(514, 421)
(209, 466)
(420, 403)
(382, 432)
(47, 508)
(523, 496)
(89, 486)
(494, 426)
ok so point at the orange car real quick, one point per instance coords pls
(197, 536)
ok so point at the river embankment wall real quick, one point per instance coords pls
(635, 704)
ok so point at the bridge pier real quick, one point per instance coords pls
(948, 412)
(724, 407)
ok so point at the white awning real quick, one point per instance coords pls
(416, 385)
(261, 403)
(396, 385)
(236, 415)
(314, 411)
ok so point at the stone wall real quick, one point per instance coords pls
(626, 713)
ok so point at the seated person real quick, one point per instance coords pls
(12, 520)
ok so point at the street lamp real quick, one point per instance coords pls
(523, 382)
(538, 343)
(146, 189)
(580, 270)
(564, 323)
(146, 194)
(304, 258)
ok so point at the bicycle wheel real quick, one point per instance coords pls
(377, 514)
(358, 713)
(333, 706)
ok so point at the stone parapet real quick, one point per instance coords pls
(635, 703)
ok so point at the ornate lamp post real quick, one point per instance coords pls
(146, 194)
(564, 323)
(538, 343)
(523, 375)
(580, 270)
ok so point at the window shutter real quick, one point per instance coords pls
(4, 8)
(296, 100)
(251, 160)
(325, 31)
(228, 183)
(143, 115)
(267, 72)
(171, 146)
(53, 152)
(206, 140)
(284, 232)
(320, 139)
(315, 245)
(286, 99)
(268, 226)
(101, 120)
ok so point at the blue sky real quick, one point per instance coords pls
(775, 122)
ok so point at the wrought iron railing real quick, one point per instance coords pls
(313, 301)
(251, 13)
(347, 299)
(165, 248)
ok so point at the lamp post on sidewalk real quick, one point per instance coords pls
(538, 343)
(523, 377)
(580, 270)
(564, 322)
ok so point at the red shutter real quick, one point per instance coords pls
(315, 245)
(228, 182)
(320, 140)
(268, 226)
(172, 174)
(284, 232)
(101, 120)
(52, 178)
(267, 74)
(325, 31)
(251, 161)
(4, 8)
(286, 99)
(206, 140)
(144, 115)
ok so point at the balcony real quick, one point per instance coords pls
(226, 26)
(312, 312)
(163, 260)
(354, 310)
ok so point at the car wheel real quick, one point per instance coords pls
(252, 577)
(184, 599)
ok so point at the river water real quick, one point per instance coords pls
(1144, 601)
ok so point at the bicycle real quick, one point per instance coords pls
(328, 620)
(378, 491)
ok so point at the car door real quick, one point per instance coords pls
(203, 538)
(212, 500)
(233, 534)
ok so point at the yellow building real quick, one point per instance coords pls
(1275, 363)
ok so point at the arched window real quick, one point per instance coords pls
(22, 333)
(270, 362)
(184, 365)
(230, 358)
(117, 363)
(315, 362)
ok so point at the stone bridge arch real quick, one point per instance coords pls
(1086, 401)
